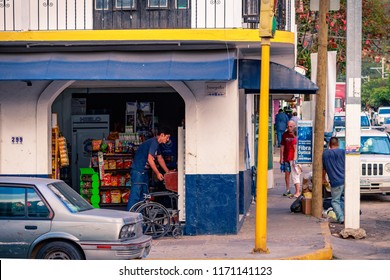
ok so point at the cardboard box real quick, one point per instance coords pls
(306, 206)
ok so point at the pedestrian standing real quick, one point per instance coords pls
(295, 118)
(288, 157)
(333, 161)
(281, 120)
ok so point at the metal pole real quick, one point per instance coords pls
(353, 107)
(262, 155)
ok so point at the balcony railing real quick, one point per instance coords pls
(17, 15)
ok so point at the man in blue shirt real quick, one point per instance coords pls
(143, 161)
(281, 120)
(333, 161)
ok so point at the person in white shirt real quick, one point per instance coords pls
(295, 118)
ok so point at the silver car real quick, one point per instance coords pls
(47, 219)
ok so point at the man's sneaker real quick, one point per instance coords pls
(287, 193)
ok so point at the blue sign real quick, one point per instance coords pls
(305, 142)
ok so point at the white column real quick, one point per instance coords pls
(352, 160)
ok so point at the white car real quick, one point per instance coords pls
(383, 112)
(375, 160)
(339, 121)
(47, 219)
(386, 124)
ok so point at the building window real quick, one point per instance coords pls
(181, 4)
(124, 4)
(101, 4)
(158, 3)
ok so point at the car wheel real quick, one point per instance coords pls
(59, 250)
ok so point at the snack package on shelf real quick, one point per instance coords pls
(125, 196)
(127, 163)
(112, 164)
(64, 159)
(105, 197)
(106, 179)
(116, 196)
(119, 163)
(96, 145)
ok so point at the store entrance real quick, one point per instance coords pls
(132, 117)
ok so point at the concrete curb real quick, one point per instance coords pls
(325, 253)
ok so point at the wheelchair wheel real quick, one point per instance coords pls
(135, 206)
(156, 219)
(177, 232)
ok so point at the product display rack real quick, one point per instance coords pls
(114, 173)
(89, 186)
(55, 169)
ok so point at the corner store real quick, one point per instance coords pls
(218, 128)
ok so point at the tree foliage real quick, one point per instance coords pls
(375, 33)
(376, 93)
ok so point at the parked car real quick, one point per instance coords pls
(375, 160)
(386, 124)
(47, 219)
(339, 125)
(383, 112)
(339, 121)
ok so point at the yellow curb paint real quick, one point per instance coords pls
(325, 253)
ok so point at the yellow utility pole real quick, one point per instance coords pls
(266, 32)
(320, 109)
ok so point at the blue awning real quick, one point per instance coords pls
(142, 66)
(283, 80)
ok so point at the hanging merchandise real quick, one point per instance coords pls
(62, 146)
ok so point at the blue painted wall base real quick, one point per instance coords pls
(212, 203)
(245, 198)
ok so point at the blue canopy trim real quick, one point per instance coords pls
(283, 80)
(143, 66)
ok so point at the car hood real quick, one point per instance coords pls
(374, 158)
(104, 214)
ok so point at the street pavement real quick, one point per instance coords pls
(288, 236)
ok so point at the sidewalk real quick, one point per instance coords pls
(289, 235)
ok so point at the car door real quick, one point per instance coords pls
(24, 216)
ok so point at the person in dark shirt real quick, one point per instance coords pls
(281, 120)
(143, 161)
(333, 161)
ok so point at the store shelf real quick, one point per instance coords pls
(117, 170)
(113, 180)
(105, 188)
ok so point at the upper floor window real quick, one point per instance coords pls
(125, 4)
(181, 4)
(158, 3)
(101, 4)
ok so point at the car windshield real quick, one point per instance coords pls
(70, 198)
(340, 121)
(387, 121)
(364, 121)
(371, 145)
(384, 111)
